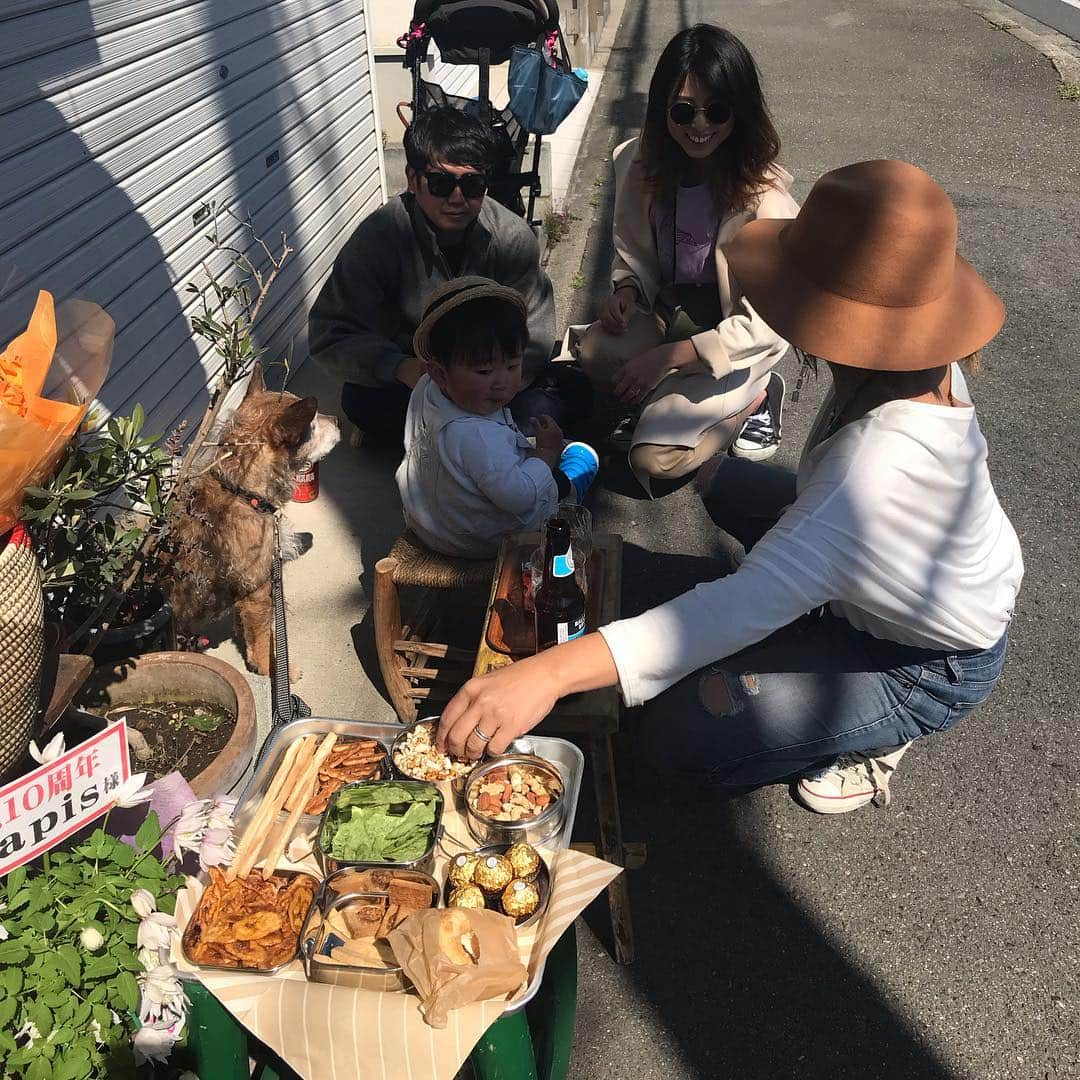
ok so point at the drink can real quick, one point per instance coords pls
(306, 483)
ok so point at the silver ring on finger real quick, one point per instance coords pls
(480, 735)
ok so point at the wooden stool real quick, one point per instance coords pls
(414, 667)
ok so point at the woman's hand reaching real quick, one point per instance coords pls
(617, 309)
(489, 712)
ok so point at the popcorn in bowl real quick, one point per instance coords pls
(417, 756)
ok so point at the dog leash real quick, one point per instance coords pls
(285, 705)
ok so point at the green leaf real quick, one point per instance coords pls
(68, 958)
(12, 952)
(40, 1069)
(138, 418)
(11, 980)
(123, 856)
(18, 900)
(128, 989)
(149, 835)
(98, 967)
(41, 1016)
(9, 1006)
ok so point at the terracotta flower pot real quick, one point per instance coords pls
(180, 675)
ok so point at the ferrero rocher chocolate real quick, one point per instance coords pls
(524, 861)
(466, 896)
(493, 873)
(520, 898)
(462, 869)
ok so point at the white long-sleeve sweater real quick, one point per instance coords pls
(896, 526)
(467, 480)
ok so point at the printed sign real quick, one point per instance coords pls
(46, 806)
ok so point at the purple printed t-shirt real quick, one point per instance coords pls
(694, 236)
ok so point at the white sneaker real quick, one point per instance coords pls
(761, 434)
(852, 781)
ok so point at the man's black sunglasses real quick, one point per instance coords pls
(441, 184)
(683, 113)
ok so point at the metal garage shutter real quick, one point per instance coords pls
(122, 117)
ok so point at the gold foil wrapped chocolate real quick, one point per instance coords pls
(466, 896)
(462, 869)
(493, 873)
(520, 898)
(524, 861)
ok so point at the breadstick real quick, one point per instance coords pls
(247, 853)
(280, 836)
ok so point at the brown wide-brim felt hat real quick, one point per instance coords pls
(453, 294)
(868, 275)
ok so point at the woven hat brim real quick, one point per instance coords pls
(453, 294)
(854, 333)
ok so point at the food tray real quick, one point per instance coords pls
(187, 941)
(565, 755)
(512, 629)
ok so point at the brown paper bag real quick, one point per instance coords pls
(443, 983)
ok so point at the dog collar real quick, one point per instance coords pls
(259, 504)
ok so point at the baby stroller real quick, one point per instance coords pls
(543, 89)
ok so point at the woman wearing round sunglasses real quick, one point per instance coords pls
(675, 335)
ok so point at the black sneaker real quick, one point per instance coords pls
(761, 433)
(622, 435)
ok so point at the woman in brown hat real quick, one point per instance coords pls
(874, 603)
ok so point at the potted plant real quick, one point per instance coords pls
(110, 492)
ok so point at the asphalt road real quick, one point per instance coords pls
(937, 938)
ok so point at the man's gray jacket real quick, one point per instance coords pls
(363, 321)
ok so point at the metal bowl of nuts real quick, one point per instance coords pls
(415, 755)
(514, 797)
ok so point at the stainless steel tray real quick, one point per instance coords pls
(564, 755)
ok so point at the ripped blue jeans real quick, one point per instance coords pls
(811, 691)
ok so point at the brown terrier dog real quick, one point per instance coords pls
(222, 536)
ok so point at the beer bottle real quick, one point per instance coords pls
(560, 603)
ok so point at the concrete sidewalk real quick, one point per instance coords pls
(936, 939)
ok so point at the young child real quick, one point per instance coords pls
(469, 476)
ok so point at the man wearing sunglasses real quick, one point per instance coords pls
(443, 227)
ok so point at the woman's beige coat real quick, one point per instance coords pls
(736, 355)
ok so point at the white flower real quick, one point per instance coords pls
(53, 749)
(216, 848)
(131, 792)
(155, 931)
(153, 1042)
(95, 1027)
(91, 939)
(30, 1032)
(152, 958)
(142, 900)
(161, 987)
(220, 815)
(4, 935)
(190, 826)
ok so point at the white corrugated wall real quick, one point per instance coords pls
(120, 118)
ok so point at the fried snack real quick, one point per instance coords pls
(251, 922)
(364, 920)
(259, 925)
(524, 861)
(389, 921)
(410, 894)
(467, 896)
(457, 941)
(356, 759)
(520, 898)
(462, 869)
(493, 874)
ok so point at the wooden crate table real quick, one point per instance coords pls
(593, 716)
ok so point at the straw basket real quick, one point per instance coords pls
(22, 644)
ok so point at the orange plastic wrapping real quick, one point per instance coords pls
(71, 347)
